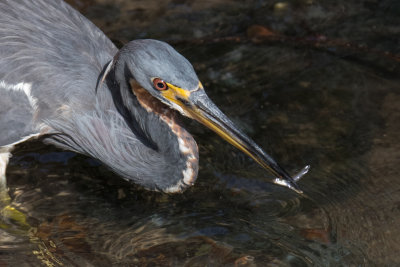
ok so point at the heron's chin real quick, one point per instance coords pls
(150, 103)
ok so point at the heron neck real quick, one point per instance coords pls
(169, 146)
(137, 144)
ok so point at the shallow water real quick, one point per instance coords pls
(332, 104)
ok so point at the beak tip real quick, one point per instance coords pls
(291, 182)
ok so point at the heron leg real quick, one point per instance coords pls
(4, 157)
(15, 221)
(9, 215)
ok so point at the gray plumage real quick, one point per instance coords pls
(16, 115)
(52, 48)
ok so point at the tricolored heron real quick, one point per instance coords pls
(63, 80)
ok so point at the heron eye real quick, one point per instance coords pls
(159, 84)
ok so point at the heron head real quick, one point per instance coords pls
(169, 77)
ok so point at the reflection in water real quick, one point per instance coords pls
(332, 108)
(16, 232)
